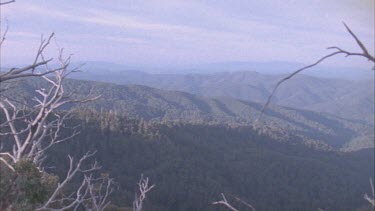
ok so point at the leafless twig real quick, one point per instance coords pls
(225, 202)
(245, 203)
(143, 188)
(7, 2)
(32, 128)
(77, 197)
(371, 198)
(337, 51)
(99, 190)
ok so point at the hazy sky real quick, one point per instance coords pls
(188, 32)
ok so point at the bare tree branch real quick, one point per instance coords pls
(7, 164)
(371, 198)
(79, 195)
(245, 203)
(14, 73)
(98, 193)
(143, 188)
(33, 128)
(39, 131)
(338, 51)
(7, 2)
(3, 37)
(225, 203)
(365, 52)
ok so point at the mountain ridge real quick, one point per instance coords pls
(344, 98)
(148, 103)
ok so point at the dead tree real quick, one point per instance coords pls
(30, 129)
(140, 195)
(224, 202)
(371, 198)
(38, 133)
(99, 192)
(77, 197)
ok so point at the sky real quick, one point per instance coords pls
(182, 33)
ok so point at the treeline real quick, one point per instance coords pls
(191, 164)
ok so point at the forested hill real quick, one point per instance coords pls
(191, 164)
(344, 98)
(159, 105)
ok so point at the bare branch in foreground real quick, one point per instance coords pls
(98, 193)
(143, 189)
(3, 36)
(7, 2)
(40, 132)
(225, 203)
(246, 204)
(29, 70)
(77, 197)
(7, 164)
(371, 198)
(338, 51)
(31, 129)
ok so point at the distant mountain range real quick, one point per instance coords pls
(195, 147)
(272, 67)
(141, 102)
(344, 98)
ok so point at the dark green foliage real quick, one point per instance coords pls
(25, 188)
(192, 164)
(194, 148)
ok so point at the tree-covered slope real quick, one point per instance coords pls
(159, 105)
(191, 164)
(344, 98)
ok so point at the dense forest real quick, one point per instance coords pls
(228, 138)
(192, 164)
(195, 148)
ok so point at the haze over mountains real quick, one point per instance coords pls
(165, 116)
(208, 141)
(353, 99)
(272, 67)
(137, 101)
(204, 146)
(199, 132)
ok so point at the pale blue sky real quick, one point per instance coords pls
(163, 33)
